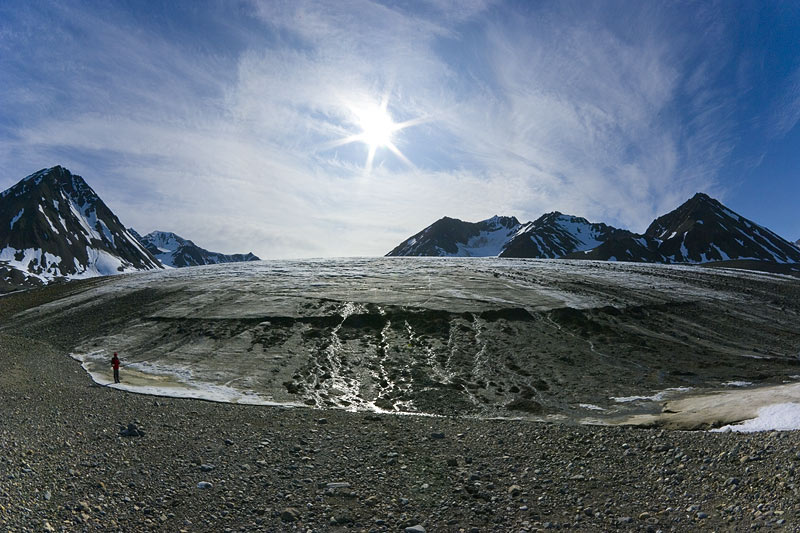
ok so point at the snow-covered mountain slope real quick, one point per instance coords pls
(701, 230)
(54, 226)
(555, 235)
(175, 251)
(450, 237)
(550, 236)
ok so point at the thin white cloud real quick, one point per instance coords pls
(548, 109)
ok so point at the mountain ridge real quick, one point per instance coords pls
(176, 252)
(701, 230)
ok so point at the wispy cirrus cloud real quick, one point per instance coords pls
(217, 122)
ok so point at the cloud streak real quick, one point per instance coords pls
(227, 135)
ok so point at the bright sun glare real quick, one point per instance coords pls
(376, 127)
(377, 131)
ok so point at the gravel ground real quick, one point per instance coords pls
(203, 466)
(70, 461)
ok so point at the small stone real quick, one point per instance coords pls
(131, 431)
(588, 511)
(732, 481)
(48, 527)
(578, 477)
(291, 514)
(338, 485)
(452, 461)
(514, 490)
(228, 442)
(625, 520)
(47, 495)
(207, 467)
(415, 529)
(204, 485)
(322, 421)
(437, 435)
(702, 515)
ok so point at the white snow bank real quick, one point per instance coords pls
(145, 378)
(737, 384)
(657, 397)
(776, 417)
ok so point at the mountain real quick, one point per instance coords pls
(54, 226)
(555, 235)
(175, 251)
(450, 237)
(701, 230)
(550, 236)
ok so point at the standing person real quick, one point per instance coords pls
(115, 364)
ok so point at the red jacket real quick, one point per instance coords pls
(115, 362)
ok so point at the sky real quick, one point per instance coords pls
(241, 124)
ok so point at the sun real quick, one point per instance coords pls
(377, 127)
(377, 131)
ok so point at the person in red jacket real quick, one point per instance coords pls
(115, 364)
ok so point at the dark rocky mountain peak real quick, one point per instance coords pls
(701, 230)
(456, 238)
(54, 226)
(555, 235)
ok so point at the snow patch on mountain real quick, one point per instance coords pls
(488, 243)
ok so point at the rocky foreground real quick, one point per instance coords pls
(70, 461)
(77, 456)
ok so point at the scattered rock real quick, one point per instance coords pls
(131, 431)
(290, 514)
(204, 485)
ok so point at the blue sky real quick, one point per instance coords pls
(224, 121)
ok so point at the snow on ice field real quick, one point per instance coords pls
(542, 339)
(775, 417)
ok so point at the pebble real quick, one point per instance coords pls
(204, 485)
(290, 514)
(415, 529)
